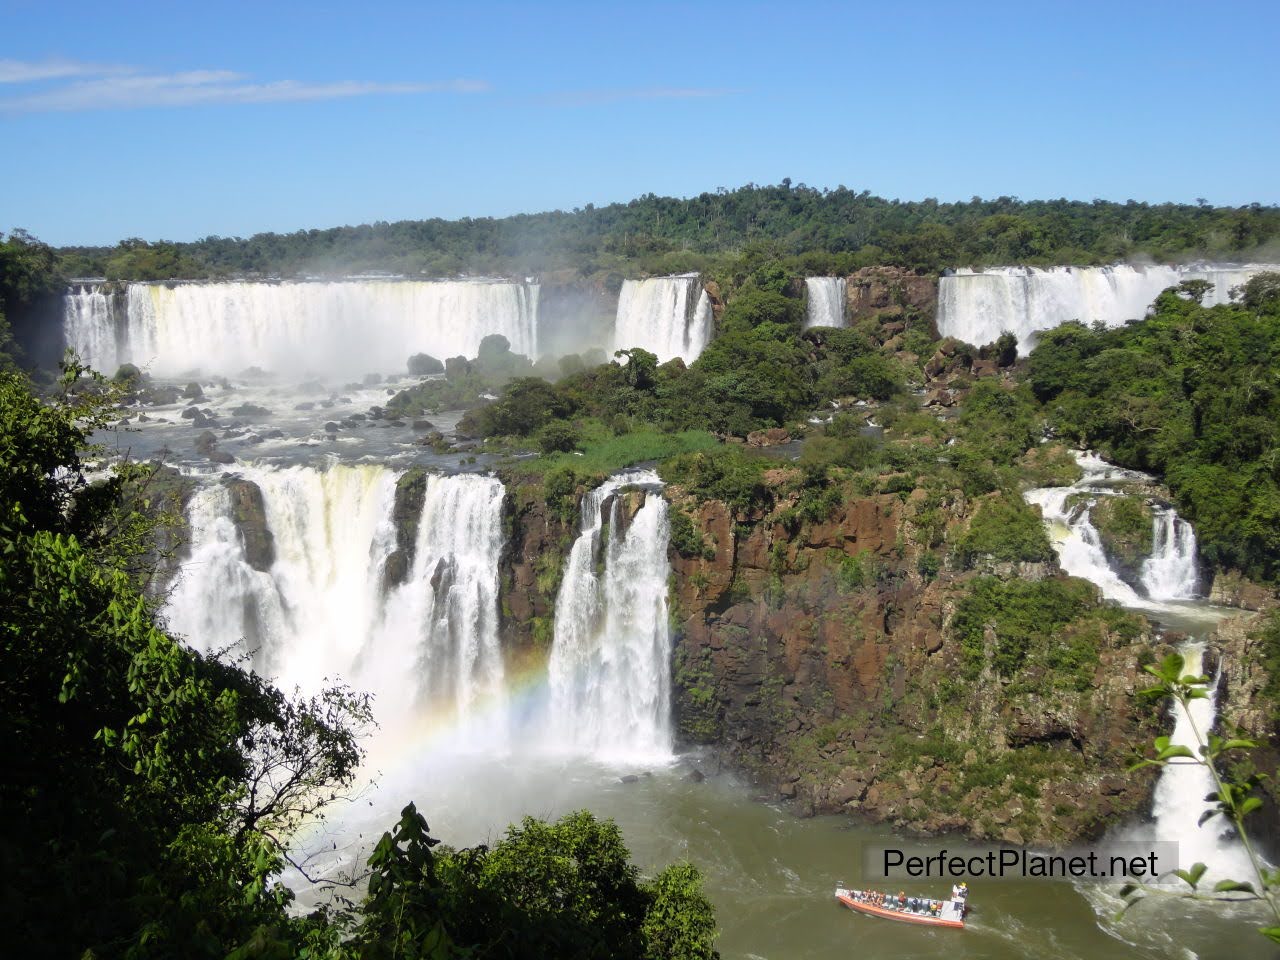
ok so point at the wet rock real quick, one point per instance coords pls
(193, 391)
(423, 425)
(331, 427)
(696, 775)
(221, 456)
(305, 405)
(250, 517)
(629, 778)
(273, 435)
(206, 442)
(189, 413)
(423, 364)
(250, 410)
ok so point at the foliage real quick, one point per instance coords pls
(152, 787)
(733, 234)
(1006, 529)
(1027, 618)
(1190, 395)
(565, 889)
(725, 474)
(559, 437)
(1233, 799)
(687, 540)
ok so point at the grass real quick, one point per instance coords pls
(603, 452)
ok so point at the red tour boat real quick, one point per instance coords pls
(921, 910)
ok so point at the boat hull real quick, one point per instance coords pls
(924, 920)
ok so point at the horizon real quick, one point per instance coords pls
(192, 125)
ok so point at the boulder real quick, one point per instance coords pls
(221, 456)
(423, 364)
(193, 391)
(250, 410)
(250, 517)
(206, 442)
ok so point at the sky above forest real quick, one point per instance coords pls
(178, 121)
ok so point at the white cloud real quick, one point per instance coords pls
(21, 71)
(96, 87)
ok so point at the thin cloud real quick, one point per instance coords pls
(579, 98)
(21, 71)
(115, 88)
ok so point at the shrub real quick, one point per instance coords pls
(559, 436)
(1005, 528)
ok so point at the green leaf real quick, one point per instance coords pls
(1191, 877)
(1230, 886)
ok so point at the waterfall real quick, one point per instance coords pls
(1076, 541)
(1170, 572)
(91, 327)
(444, 617)
(1180, 793)
(345, 328)
(219, 600)
(977, 306)
(610, 659)
(826, 301)
(319, 613)
(660, 315)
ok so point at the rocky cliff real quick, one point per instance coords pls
(824, 661)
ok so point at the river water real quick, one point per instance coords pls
(478, 762)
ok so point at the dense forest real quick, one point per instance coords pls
(812, 231)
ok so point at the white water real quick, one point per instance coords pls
(1171, 573)
(1180, 792)
(662, 316)
(1168, 575)
(826, 301)
(977, 307)
(345, 328)
(319, 614)
(1169, 581)
(610, 661)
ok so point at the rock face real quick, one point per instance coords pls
(250, 517)
(890, 291)
(540, 539)
(406, 513)
(821, 660)
(1249, 700)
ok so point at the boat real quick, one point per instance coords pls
(950, 912)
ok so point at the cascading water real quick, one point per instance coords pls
(444, 618)
(1179, 800)
(1169, 581)
(297, 327)
(661, 315)
(610, 660)
(320, 611)
(220, 601)
(977, 306)
(1171, 572)
(826, 301)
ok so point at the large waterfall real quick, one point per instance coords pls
(296, 327)
(662, 315)
(826, 301)
(977, 306)
(320, 611)
(610, 661)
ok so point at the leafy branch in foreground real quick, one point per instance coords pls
(1232, 798)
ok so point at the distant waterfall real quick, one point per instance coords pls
(345, 328)
(1170, 573)
(320, 612)
(610, 660)
(977, 307)
(1180, 792)
(826, 301)
(662, 316)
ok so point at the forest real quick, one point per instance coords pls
(811, 231)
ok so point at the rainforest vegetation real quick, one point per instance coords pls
(810, 231)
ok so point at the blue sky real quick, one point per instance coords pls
(180, 120)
